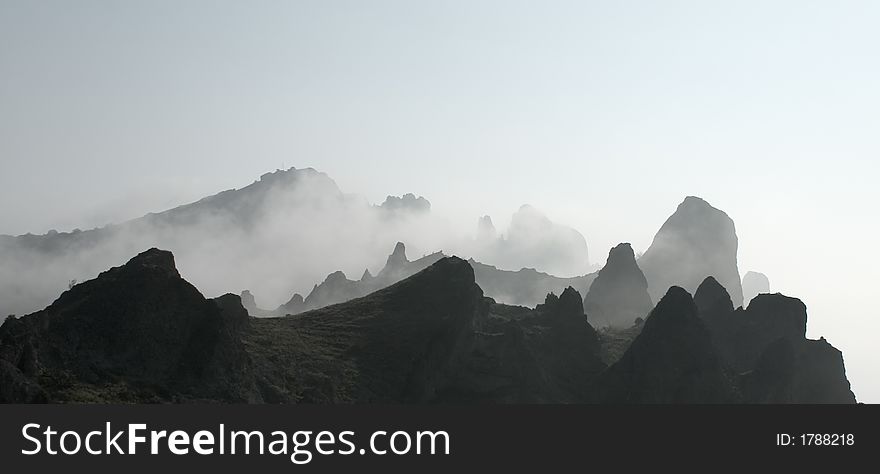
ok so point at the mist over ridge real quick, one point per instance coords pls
(287, 231)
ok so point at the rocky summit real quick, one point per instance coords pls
(766, 346)
(696, 242)
(138, 332)
(671, 361)
(619, 294)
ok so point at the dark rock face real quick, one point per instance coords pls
(766, 344)
(754, 284)
(712, 300)
(397, 345)
(743, 334)
(516, 355)
(140, 333)
(697, 241)
(671, 361)
(806, 371)
(619, 294)
(137, 332)
(432, 337)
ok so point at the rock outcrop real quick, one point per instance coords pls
(138, 332)
(619, 294)
(697, 241)
(523, 287)
(766, 345)
(754, 284)
(671, 361)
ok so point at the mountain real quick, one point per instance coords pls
(225, 240)
(140, 333)
(754, 284)
(526, 287)
(672, 360)
(697, 241)
(766, 345)
(619, 294)
(286, 231)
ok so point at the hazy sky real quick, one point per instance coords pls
(602, 114)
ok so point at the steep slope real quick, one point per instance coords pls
(138, 332)
(141, 333)
(432, 337)
(766, 344)
(619, 294)
(671, 361)
(697, 241)
(250, 227)
(394, 346)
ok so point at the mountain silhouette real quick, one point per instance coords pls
(141, 333)
(697, 241)
(526, 287)
(766, 345)
(672, 360)
(277, 236)
(138, 332)
(619, 294)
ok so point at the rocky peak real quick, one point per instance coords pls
(675, 310)
(786, 315)
(712, 299)
(671, 361)
(696, 241)
(336, 278)
(567, 305)
(155, 260)
(397, 259)
(143, 327)
(619, 294)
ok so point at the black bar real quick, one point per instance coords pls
(497, 438)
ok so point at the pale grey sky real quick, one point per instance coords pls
(602, 114)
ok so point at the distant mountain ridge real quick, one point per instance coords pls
(283, 232)
(526, 287)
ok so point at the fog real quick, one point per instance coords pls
(603, 115)
(278, 236)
